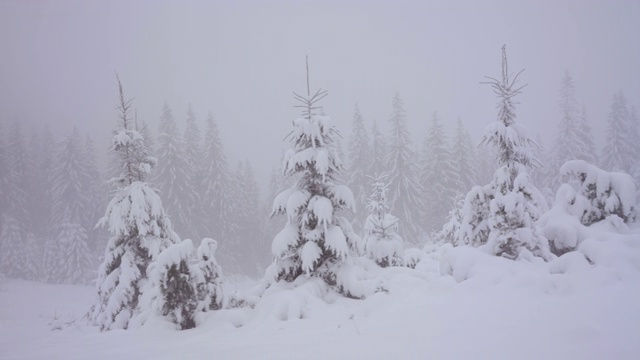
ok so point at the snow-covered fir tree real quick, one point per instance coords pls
(438, 176)
(359, 165)
(216, 187)
(172, 175)
(590, 152)
(378, 151)
(572, 139)
(70, 209)
(314, 242)
(251, 244)
(140, 228)
(15, 220)
(503, 213)
(515, 202)
(381, 241)
(464, 155)
(618, 149)
(402, 166)
(194, 155)
(12, 248)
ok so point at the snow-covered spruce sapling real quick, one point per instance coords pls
(502, 214)
(382, 242)
(313, 243)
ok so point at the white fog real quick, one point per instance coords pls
(319, 179)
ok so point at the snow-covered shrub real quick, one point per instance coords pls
(313, 241)
(382, 242)
(561, 224)
(210, 294)
(175, 280)
(607, 193)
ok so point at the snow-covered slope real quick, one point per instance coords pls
(459, 303)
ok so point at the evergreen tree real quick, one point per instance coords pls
(464, 155)
(97, 192)
(502, 214)
(251, 243)
(438, 176)
(573, 139)
(67, 256)
(359, 165)
(73, 259)
(15, 223)
(139, 226)
(314, 242)
(194, 154)
(172, 177)
(404, 186)
(378, 151)
(515, 203)
(619, 147)
(589, 152)
(216, 187)
(12, 248)
(381, 240)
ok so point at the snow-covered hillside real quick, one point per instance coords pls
(459, 303)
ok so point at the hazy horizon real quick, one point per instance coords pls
(242, 61)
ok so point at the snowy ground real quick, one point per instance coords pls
(458, 304)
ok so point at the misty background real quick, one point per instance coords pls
(241, 60)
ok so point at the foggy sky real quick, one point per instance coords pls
(241, 60)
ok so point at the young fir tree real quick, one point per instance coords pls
(139, 225)
(618, 149)
(210, 291)
(464, 154)
(381, 240)
(438, 176)
(404, 186)
(172, 176)
(314, 242)
(502, 214)
(515, 203)
(359, 165)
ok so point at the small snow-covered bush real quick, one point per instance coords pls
(210, 294)
(561, 224)
(607, 193)
(381, 240)
(172, 276)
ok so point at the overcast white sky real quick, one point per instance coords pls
(241, 60)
